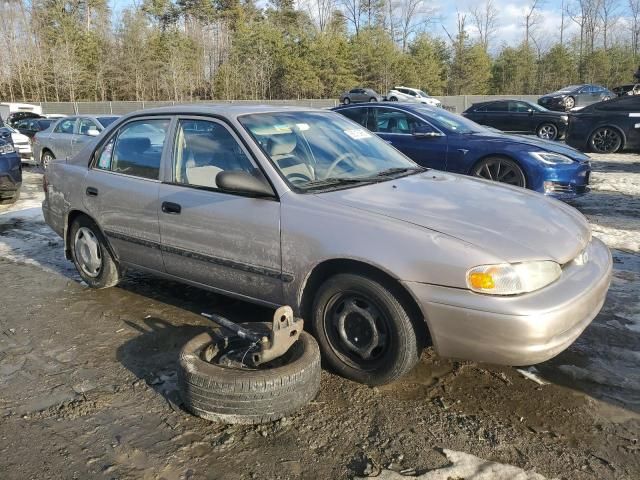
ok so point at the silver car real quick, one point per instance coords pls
(304, 207)
(67, 136)
(356, 95)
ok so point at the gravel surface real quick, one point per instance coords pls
(88, 383)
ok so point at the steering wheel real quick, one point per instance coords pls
(347, 156)
(298, 178)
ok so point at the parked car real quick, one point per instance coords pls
(67, 136)
(406, 94)
(13, 118)
(575, 96)
(10, 111)
(31, 126)
(10, 173)
(21, 143)
(435, 138)
(629, 89)
(356, 95)
(519, 116)
(606, 127)
(295, 206)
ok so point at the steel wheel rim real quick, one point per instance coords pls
(500, 171)
(87, 252)
(46, 159)
(357, 330)
(606, 140)
(547, 132)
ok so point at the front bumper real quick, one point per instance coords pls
(562, 181)
(520, 329)
(24, 150)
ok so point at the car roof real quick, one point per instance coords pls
(223, 109)
(414, 107)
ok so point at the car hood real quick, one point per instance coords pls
(527, 141)
(511, 223)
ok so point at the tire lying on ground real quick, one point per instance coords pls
(214, 386)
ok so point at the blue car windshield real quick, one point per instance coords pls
(322, 149)
(450, 122)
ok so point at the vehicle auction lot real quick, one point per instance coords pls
(88, 386)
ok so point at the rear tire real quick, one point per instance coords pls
(46, 159)
(605, 140)
(91, 256)
(346, 101)
(393, 99)
(248, 396)
(372, 99)
(347, 310)
(547, 131)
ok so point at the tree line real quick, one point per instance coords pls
(182, 50)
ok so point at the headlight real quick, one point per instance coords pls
(511, 279)
(6, 149)
(551, 158)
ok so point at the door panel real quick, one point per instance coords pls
(227, 241)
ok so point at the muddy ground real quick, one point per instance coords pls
(87, 379)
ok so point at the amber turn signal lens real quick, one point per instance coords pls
(481, 281)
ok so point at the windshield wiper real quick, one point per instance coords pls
(390, 172)
(333, 182)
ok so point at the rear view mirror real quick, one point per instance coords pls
(93, 132)
(238, 181)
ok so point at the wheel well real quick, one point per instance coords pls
(613, 127)
(332, 267)
(73, 215)
(500, 155)
(46, 150)
(546, 122)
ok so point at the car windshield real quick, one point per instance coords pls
(537, 107)
(422, 94)
(451, 121)
(317, 150)
(106, 121)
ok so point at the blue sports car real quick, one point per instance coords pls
(438, 139)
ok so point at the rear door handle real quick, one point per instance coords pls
(171, 208)
(92, 191)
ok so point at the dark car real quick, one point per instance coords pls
(435, 138)
(575, 96)
(10, 173)
(606, 127)
(356, 95)
(629, 89)
(31, 126)
(519, 116)
(14, 118)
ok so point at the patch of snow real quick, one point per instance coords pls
(468, 467)
(531, 373)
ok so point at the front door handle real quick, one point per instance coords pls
(171, 208)
(92, 191)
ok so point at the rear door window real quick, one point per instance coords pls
(135, 149)
(395, 121)
(498, 107)
(357, 114)
(65, 126)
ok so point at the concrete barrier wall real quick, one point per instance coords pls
(458, 103)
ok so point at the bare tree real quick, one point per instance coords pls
(531, 18)
(409, 17)
(608, 16)
(485, 19)
(585, 14)
(352, 11)
(634, 8)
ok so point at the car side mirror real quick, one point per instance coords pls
(93, 132)
(530, 111)
(424, 131)
(238, 181)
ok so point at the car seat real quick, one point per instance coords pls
(281, 148)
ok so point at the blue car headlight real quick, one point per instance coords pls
(551, 158)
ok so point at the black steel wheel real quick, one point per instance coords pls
(364, 331)
(547, 131)
(500, 169)
(605, 140)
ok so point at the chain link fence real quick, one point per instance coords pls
(456, 104)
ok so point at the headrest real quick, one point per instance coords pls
(133, 144)
(281, 144)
